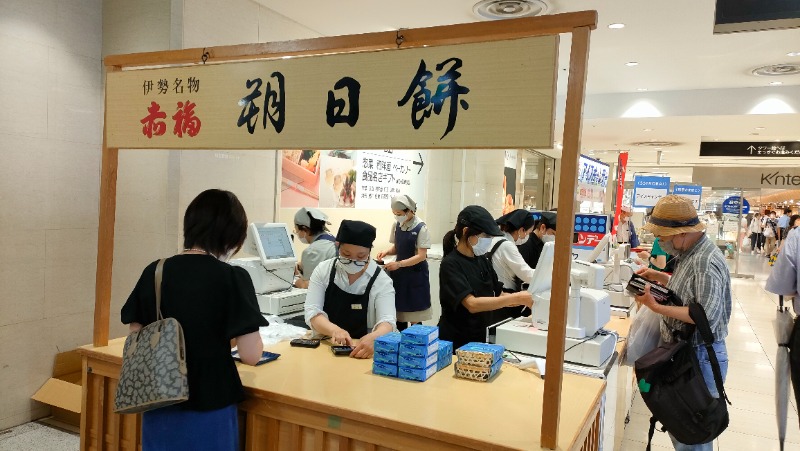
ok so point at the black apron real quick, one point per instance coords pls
(347, 310)
(507, 312)
(412, 285)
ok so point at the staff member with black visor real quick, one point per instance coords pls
(543, 231)
(468, 286)
(349, 297)
(511, 269)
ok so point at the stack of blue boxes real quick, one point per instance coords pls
(415, 354)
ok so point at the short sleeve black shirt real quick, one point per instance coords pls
(214, 302)
(531, 250)
(459, 277)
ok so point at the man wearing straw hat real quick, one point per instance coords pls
(701, 276)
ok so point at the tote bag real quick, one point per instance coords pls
(153, 371)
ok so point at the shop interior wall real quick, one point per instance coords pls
(50, 139)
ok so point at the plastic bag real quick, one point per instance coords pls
(643, 337)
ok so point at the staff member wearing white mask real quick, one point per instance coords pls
(309, 228)
(410, 242)
(506, 260)
(350, 296)
(543, 231)
(468, 287)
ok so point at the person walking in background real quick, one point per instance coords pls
(783, 224)
(215, 303)
(755, 233)
(770, 233)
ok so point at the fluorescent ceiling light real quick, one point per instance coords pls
(775, 83)
(760, 128)
(772, 106)
(643, 108)
(631, 63)
(788, 54)
(647, 130)
(616, 26)
(641, 89)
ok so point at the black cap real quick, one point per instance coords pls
(548, 218)
(517, 219)
(476, 217)
(358, 233)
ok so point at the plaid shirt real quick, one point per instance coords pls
(702, 276)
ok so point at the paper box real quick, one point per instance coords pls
(420, 335)
(480, 354)
(445, 354)
(416, 374)
(412, 350)
(388, 343)
(384, 369)
(385, 357)
(417, 362)
(477, 373)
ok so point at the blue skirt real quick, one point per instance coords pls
(174, 429)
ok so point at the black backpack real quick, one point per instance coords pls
(675, 391)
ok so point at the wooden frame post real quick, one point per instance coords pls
(105, 236)
(551, 408)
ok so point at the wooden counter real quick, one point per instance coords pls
(310, 399)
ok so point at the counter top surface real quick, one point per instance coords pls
(505, 411)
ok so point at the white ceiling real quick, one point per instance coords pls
(672, 42)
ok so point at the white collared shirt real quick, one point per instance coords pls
(381, 308)
(423, 238)
(508, 263)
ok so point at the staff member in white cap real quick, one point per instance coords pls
(508, 264)
(468, 287)
(310, 228)
(701, 275)
(349, 297)
(410, 242)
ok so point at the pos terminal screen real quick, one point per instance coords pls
(275, 242)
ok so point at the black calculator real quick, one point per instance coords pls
(265, 357)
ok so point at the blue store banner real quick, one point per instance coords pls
(647, 190)
(691, 192)
(731, 205)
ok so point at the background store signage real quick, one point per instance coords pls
(731, 205)
(455, 96)
(589, 230)
(692, 192)
(366, 179)
(779, 178)
(592, 180)
(647, 190)
(750, 149)
(622, 166)
(509, 181)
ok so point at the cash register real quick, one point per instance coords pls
(272, 271)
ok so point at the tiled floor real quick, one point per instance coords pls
(751, 376)
(750, 384)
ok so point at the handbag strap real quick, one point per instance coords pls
(159, 275)
(698, 315)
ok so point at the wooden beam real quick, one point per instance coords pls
(385, 40)
(105, 238)
(579, 57)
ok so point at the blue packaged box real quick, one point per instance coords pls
(477, 373)
(388, 343)
(445, 354)
(480, 354)
(385, 357)
(417, 362)
(416, 374)
(412, 350)
(420, 335)
(384, 369)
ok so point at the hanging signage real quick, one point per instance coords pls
(622, 165)
(691, 192)
(781, 178)
(592, 180)
(480, 95)
(647, 190)
(750, 149)
(731, 205)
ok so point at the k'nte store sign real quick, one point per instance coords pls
(769, 177)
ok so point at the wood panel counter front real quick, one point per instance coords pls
(311, 399)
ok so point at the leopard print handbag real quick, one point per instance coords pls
(153, 371)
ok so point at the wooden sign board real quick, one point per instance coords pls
(482, 95)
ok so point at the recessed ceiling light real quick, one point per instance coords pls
(753, 134)
(641, 89)
(616, 26)
(647, 129)
(775, 83)
(716, 139)
(760, 128)
(788, 54)
(631, 63)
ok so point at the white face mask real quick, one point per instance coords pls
(548, 238)
(482, 246)
(521, 241)
(303, 239)
(400, 218)
(351, 267)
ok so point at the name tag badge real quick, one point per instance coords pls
(356, 306)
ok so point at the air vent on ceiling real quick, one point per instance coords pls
(509, 9)
(656, 144)
(774, 70)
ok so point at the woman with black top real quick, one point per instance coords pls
(215, 303)
(468, 287)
